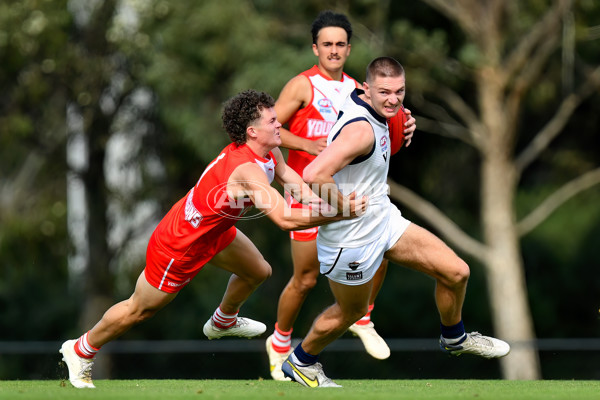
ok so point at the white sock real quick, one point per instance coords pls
(83, 348)
(222, 320)
(281, 341)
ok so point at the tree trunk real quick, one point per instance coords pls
(506, 282)
(88, 225)
(98, 279)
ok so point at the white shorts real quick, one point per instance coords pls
(356, 266)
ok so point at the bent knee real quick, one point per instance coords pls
(261, 273)
(460, 273)
(304, 284)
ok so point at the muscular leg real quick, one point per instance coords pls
(422, 251)
(145, 301)
(306, 271)
(351, 304)
(248, 267)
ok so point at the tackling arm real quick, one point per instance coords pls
(249, 180)
(354, 140)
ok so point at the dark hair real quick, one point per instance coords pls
(383, 67)
(243, 109)
(329, 18)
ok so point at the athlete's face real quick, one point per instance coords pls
(266, 128)
(386, 94)
(332, 48)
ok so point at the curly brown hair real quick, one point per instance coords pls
(243, 109)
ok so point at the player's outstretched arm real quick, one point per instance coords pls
(252, 183)
(292, 182)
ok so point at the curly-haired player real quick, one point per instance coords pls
(201, 227)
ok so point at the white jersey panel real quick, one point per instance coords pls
(366, 175)
(268, 167)
(328, 97)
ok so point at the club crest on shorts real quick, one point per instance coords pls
(353, 265)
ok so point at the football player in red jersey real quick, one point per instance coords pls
(201, 227)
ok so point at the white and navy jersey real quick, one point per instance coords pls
(366, 175)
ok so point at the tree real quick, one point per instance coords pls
(154, 79)
(32, 202)
(508, 49)
(113, 153)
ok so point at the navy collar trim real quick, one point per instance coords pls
(354, 95)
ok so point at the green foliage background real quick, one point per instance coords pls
(191, 57)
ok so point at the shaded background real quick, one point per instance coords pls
(110, 110)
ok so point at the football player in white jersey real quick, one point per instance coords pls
(308, 105)
(357, 159)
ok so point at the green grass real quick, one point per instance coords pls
(268, 389)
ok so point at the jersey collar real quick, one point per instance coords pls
(354, 95)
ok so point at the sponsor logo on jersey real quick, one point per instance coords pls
(354, 276)
(318, 128)
(192, 215)
(353, 265)
(325, 106)
(173, 284)
(383, 143)
(324, 103)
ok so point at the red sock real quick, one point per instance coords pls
(281, 341)
(367, 318)
(83, 348)
(222, 320)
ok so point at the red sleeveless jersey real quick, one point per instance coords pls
(315, 120)
(207, 211)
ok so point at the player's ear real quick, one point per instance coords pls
(315, 50)
(250, 132)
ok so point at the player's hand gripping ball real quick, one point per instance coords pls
(396, 126)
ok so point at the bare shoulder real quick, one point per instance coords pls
(357, 136)
(358, 127)
(298, 90)
(249, 171)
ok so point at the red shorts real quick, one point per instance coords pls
(170, 274)
(304, 235)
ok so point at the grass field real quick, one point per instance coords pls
(268, 389)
